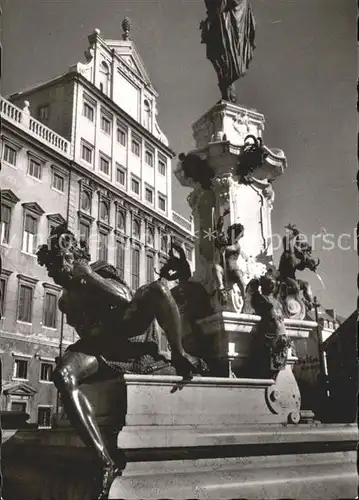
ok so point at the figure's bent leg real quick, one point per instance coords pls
(155, 301)
(218, 276)
(73, 369)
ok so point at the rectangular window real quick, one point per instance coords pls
(149, 195)
(20, 368)
(58, 182)
(105, 124)
(136, 148)
(135, 186)
(43, 112)
(44, 414)
(46, 372)
(18, 406)
(103, 246)
(2, 296)
(121, 176)
(162, 203)
(86, 153)
(149, 158)
(5, 224)
(121, 136)
(88, 111)
(30, 233)
(120, 258)
(150, 275)
(50, 308)
(162, 167)
(189, 254)
(10, 155)
(24, 312)
(135, 269)
(104, 165)
(34, 169)
(84, 232)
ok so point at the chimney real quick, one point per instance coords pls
(331, 312)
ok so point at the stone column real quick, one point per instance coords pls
(220, 136)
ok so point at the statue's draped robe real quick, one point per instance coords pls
(229, 33)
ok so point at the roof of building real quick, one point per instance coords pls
(349, 326)
(325, 314)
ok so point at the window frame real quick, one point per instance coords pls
(35, 234)
(106, 159)
(13, 149)
(38, 163)
(10, 207)
(121, 268)
(40, 109)
(149, 154)
(48, 364)
(56, 173)
(123, 170)
(53, 294)
(100, 247)
(21, 285)
(120, 130)
(162, 162)
(47, 407)
(150, 277)
(135, 277)
(106, 204)
(104, 118)
(121, 212)
(138, 181)
(148, 189)
(86, 145)
(87, 105)
(3, 292)
(88, 194)
(163, 198)
(136, 145)
(137, 223)
(87, 224)
(24, 360)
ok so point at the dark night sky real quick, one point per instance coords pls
(303, 79)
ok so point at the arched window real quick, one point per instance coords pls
(121, 221)
(163, 244)
(150, 237)
(147, 114)
(104, 78)
(85, 202)
(104, 211)
(136, 229)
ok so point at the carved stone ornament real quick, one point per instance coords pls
(222, 185)
(194, 197)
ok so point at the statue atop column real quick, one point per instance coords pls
(229, 32)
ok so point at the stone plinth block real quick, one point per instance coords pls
(203, 462)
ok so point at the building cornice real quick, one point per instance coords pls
(30, 140)
(72, 76)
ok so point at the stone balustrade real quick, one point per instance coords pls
(34, 127)
(182, 221)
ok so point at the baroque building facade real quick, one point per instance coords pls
(84, 148)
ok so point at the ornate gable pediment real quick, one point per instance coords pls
(34, 207)
(9, 196)
(127, 51)
(56, 219)
(18, 389)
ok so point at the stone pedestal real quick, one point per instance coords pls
(204, 439)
